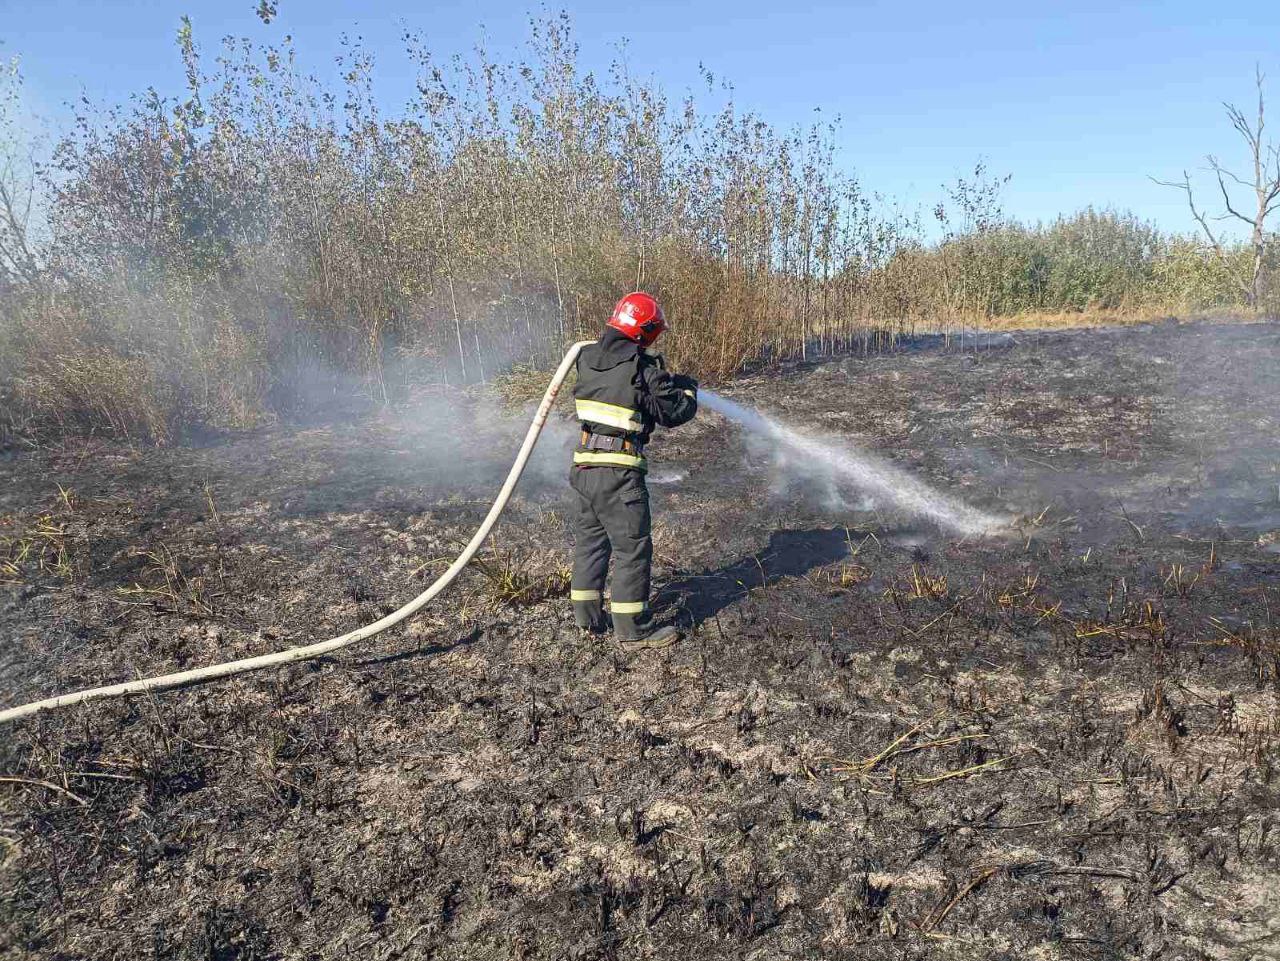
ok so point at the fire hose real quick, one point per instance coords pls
(166, 682)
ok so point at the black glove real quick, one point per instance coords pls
(685, 382)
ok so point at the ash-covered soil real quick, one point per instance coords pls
(877, 742)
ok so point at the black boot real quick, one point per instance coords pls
(655, 639)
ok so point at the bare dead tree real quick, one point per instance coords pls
(1265, 188)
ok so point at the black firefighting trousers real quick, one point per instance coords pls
(610, 515)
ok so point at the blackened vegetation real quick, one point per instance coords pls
(877, 743)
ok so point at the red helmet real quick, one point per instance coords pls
(638, 317)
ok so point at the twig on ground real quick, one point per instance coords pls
(950, 610)
(1124, 515)
(868, 765)
(35, 782)
(976, 881)
(965, 772)
(1084, 869)
(102, 775)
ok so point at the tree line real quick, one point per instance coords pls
(217, 259)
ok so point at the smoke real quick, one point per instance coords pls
(835, 468)
(465, 440)
(1175, 424)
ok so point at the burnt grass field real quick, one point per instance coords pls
(878, 740)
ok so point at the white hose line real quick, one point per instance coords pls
(167, 682)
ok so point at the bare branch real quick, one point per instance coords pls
(1258, 78)
(1185, 186)
(1226, 197)
(1222, 171)
(1241, 124)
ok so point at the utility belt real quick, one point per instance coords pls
(590, 440)
(604, 450)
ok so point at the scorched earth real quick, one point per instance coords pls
(879, 740)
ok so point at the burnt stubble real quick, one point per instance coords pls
(878, 741)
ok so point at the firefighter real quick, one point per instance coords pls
(624, 390)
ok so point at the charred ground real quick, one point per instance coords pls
(877, 742)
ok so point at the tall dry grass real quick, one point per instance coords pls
(228, 257)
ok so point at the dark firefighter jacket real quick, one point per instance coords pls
(623, 391)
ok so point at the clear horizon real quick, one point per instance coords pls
(1081, 104)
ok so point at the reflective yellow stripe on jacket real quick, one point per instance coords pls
(611, 415)
(602, 458)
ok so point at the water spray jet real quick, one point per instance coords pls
(870, 474)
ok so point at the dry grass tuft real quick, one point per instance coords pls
(39, 545)
(522, 577)
(165, 584)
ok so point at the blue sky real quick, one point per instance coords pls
(1080, 102)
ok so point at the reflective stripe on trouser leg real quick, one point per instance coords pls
(590, 562)
(628, 607)
(630, 618)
